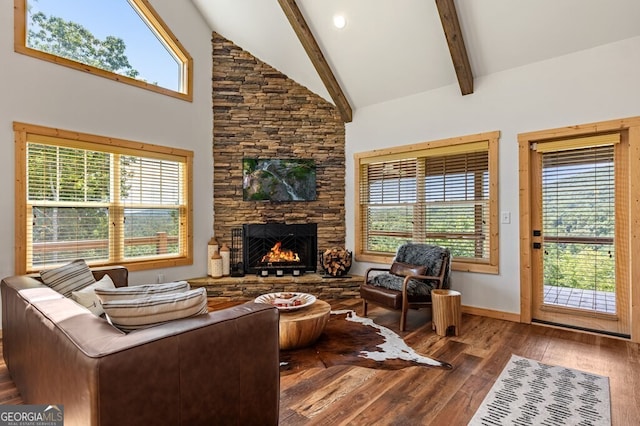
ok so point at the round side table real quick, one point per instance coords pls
(302, 327)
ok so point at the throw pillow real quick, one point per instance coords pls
(87, 296)
(138, 291)
(133, 314)
(68, 278)
(404, 269)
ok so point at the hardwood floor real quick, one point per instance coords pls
(425, 396)
(9, 395)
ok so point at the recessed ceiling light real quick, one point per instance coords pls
(339, 21)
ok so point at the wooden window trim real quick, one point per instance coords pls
(490, 267)
(22, 131)
(146, 13)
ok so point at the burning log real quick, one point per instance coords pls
(277, 254)
(336, 261)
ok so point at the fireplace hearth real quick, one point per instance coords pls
(280, 249)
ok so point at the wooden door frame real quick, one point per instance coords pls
(632, 127)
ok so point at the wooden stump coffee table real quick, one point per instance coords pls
(302, 327)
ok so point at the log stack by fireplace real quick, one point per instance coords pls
(280, 249)
(335, 261)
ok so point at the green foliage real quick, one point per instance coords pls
(71, 40)
(147, 250)
(148, 222)
(68, 224)
(59, 174)
(587, 267)
(580, 205)
(456, 222)
(126, 173)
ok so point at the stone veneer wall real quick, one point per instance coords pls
(259, 112)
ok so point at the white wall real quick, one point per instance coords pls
(42, 93)
(594, 85)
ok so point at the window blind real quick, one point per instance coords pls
(578, 190)
(104, 207)
(153, 198)
(577, 143)
(439, 199)
(457, 203)
(68, 194)
(388, 195)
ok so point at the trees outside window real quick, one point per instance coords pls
(67, 39)
(123, 40)
(441, 192)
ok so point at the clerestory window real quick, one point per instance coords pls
(123, 40)
(104, 200)
(442, 192)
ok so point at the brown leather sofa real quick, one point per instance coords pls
(219, 368)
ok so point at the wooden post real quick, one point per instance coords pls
(446, 311)
(161, 245)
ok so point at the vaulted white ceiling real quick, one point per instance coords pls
(395, 48)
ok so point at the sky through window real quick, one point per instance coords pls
(117, 18)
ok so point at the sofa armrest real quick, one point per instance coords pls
(119, 274)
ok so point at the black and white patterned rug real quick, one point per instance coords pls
(528, 392)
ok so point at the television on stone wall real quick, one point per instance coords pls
(278, 180)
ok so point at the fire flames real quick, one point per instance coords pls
(277, 254)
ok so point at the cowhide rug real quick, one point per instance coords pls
(352, 340)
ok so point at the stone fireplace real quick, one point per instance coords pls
(261, 113)
(280, 249)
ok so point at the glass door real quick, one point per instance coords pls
(579, 274)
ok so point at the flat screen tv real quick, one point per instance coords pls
(278, 179)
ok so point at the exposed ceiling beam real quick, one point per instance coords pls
(453, 33)
(318, 60)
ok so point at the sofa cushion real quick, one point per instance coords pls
(68, 278)
(133, 314)
(138, 291)
(88, 298)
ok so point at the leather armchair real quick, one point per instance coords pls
(407, 282)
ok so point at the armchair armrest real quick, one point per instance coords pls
(405, 283)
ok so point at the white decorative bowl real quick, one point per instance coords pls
(287, 301)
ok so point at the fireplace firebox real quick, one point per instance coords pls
(278, 248)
